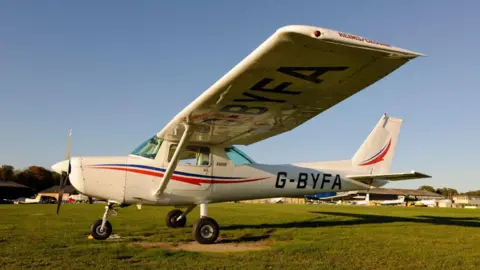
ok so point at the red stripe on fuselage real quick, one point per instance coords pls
(189, 180)
(380, 157)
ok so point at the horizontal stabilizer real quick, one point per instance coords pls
(389, 176)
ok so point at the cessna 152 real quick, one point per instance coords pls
(296, 74)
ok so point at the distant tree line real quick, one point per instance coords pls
(449, 192)
(35, 177)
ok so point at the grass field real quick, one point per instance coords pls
(296, 237)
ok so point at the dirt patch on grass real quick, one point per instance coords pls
(217, 247)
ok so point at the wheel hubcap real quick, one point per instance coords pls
(206, 231)
(99, 230)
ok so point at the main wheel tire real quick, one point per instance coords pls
(206, 230)
(171, 219)
(97, 232)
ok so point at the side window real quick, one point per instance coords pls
(149, 148)
(192, 155)
(237, 157)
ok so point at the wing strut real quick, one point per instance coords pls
(173, 163)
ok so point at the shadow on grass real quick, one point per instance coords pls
(459, 221)
(246, 238)
(361, 219)
(249, 238)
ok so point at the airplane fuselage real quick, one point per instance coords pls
(133, 180)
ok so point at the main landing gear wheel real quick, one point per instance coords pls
(172, 219)
(206, 230)
(98, 233)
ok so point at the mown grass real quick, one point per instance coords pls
(301, 236)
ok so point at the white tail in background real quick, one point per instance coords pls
(376, 153)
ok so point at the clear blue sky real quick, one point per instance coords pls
(117, 71)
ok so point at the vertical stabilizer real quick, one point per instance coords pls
(376, 153)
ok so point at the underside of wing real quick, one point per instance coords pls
(297, 73)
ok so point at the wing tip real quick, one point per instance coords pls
(343, 37)
(421, 175)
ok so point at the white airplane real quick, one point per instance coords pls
(296, 74)
(428, 203)
(400, 200)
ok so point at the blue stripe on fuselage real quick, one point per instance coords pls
(163, 170)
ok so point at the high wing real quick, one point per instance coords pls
(297, 73)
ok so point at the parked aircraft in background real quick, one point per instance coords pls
(427, 203)
(400, 200)
(296, 74)
(40, 199)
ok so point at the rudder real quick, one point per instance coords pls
(376, 153)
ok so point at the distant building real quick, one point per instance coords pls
(12, 190)
(286, 200)
(374, 195)
(54, 190)
(378, 194)
(466, 201)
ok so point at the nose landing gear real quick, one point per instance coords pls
(102, 229)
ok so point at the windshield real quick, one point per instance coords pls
(149, 148)
(237, 156)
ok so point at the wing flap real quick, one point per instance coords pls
(389, 176)
(290, 78)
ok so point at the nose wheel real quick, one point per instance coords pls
(102, 229)
(99, 233)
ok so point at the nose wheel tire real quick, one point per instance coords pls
(171, 219)
(97, 232)
(206, 230)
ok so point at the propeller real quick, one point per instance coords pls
(64, 178)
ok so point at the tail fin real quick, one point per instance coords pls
(376, 153)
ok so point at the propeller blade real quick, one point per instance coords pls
(63, 180)
(67, 156)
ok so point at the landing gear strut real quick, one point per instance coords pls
(205, 230)
(102, 229)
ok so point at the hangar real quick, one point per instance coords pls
(465, 201)
(54, 190)
(378, 194)
(375, 195)
(12, 190)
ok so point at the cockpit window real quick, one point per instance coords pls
(237, 156)
(191, 155)
(149, 148)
